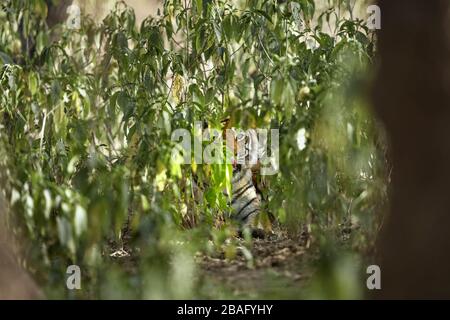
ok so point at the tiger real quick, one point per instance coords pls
(246, 200)
(246, 197)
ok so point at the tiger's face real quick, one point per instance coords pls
(236, 143)
(243, 147)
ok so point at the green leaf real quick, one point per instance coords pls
(33, 82)
(277, 86)
(199, 4)
(264, 14)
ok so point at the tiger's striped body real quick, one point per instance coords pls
(245, 201)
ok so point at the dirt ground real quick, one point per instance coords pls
(275, 270)
(274, 267)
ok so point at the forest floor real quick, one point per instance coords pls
(278, 267)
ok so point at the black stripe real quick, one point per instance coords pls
(236, 196)
(239, 190)
(245, 218)
(248, 203)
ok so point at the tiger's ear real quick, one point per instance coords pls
(229, 121)
(226, 123)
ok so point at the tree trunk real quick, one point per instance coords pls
(57, 11)
(15, 283)
(411, 96)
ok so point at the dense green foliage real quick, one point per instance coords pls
(86, 118)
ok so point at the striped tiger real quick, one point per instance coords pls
(245, 199)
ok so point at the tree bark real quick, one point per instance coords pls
(57, 11)
(15, 283)
(411, 97)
